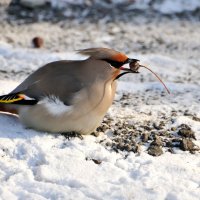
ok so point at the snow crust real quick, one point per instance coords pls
(36, 165)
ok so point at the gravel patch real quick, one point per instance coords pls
(152, 134)
(155, 139)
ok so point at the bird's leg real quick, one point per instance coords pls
(72, 134)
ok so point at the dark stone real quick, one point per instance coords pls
(173, 128)
(72, 134)
(160, 126)
(108, 144)
(95, 134)
(137, 148)
(121, 146)
(171, 150)
(145, 137)
(147, 128)
(187, 145)
(154, 150)
(196, 118)
(157, 142)
(128, 147)
(102, 128)
(186, 132)
(184, 126)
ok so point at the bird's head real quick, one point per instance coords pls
(115, 58)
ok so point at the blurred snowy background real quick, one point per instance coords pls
(148, 144)
(162, 6)
(170, 27)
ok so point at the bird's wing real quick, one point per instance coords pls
(54, 79)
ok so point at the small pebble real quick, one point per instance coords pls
(98, 162)
(38, 42)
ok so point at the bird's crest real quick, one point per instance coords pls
(104, 53)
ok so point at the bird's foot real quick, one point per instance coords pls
(72, 134)
(95, 133)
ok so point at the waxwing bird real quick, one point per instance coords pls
(68, 96)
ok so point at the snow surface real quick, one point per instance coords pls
(36, 165)
(177, 6)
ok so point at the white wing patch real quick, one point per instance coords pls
(55, 106)
(26, 97)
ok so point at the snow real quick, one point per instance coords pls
(177, 6)
(36, 165)
(16, 60)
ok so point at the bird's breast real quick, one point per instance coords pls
(107, 96)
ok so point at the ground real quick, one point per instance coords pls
(148, 144)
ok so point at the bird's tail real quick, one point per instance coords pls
(8, 108)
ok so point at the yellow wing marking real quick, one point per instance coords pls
(20, 97)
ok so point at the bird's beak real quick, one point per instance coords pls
(133, 67)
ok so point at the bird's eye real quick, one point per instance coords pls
(115, 64)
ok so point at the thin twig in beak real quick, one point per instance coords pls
(156, 77)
